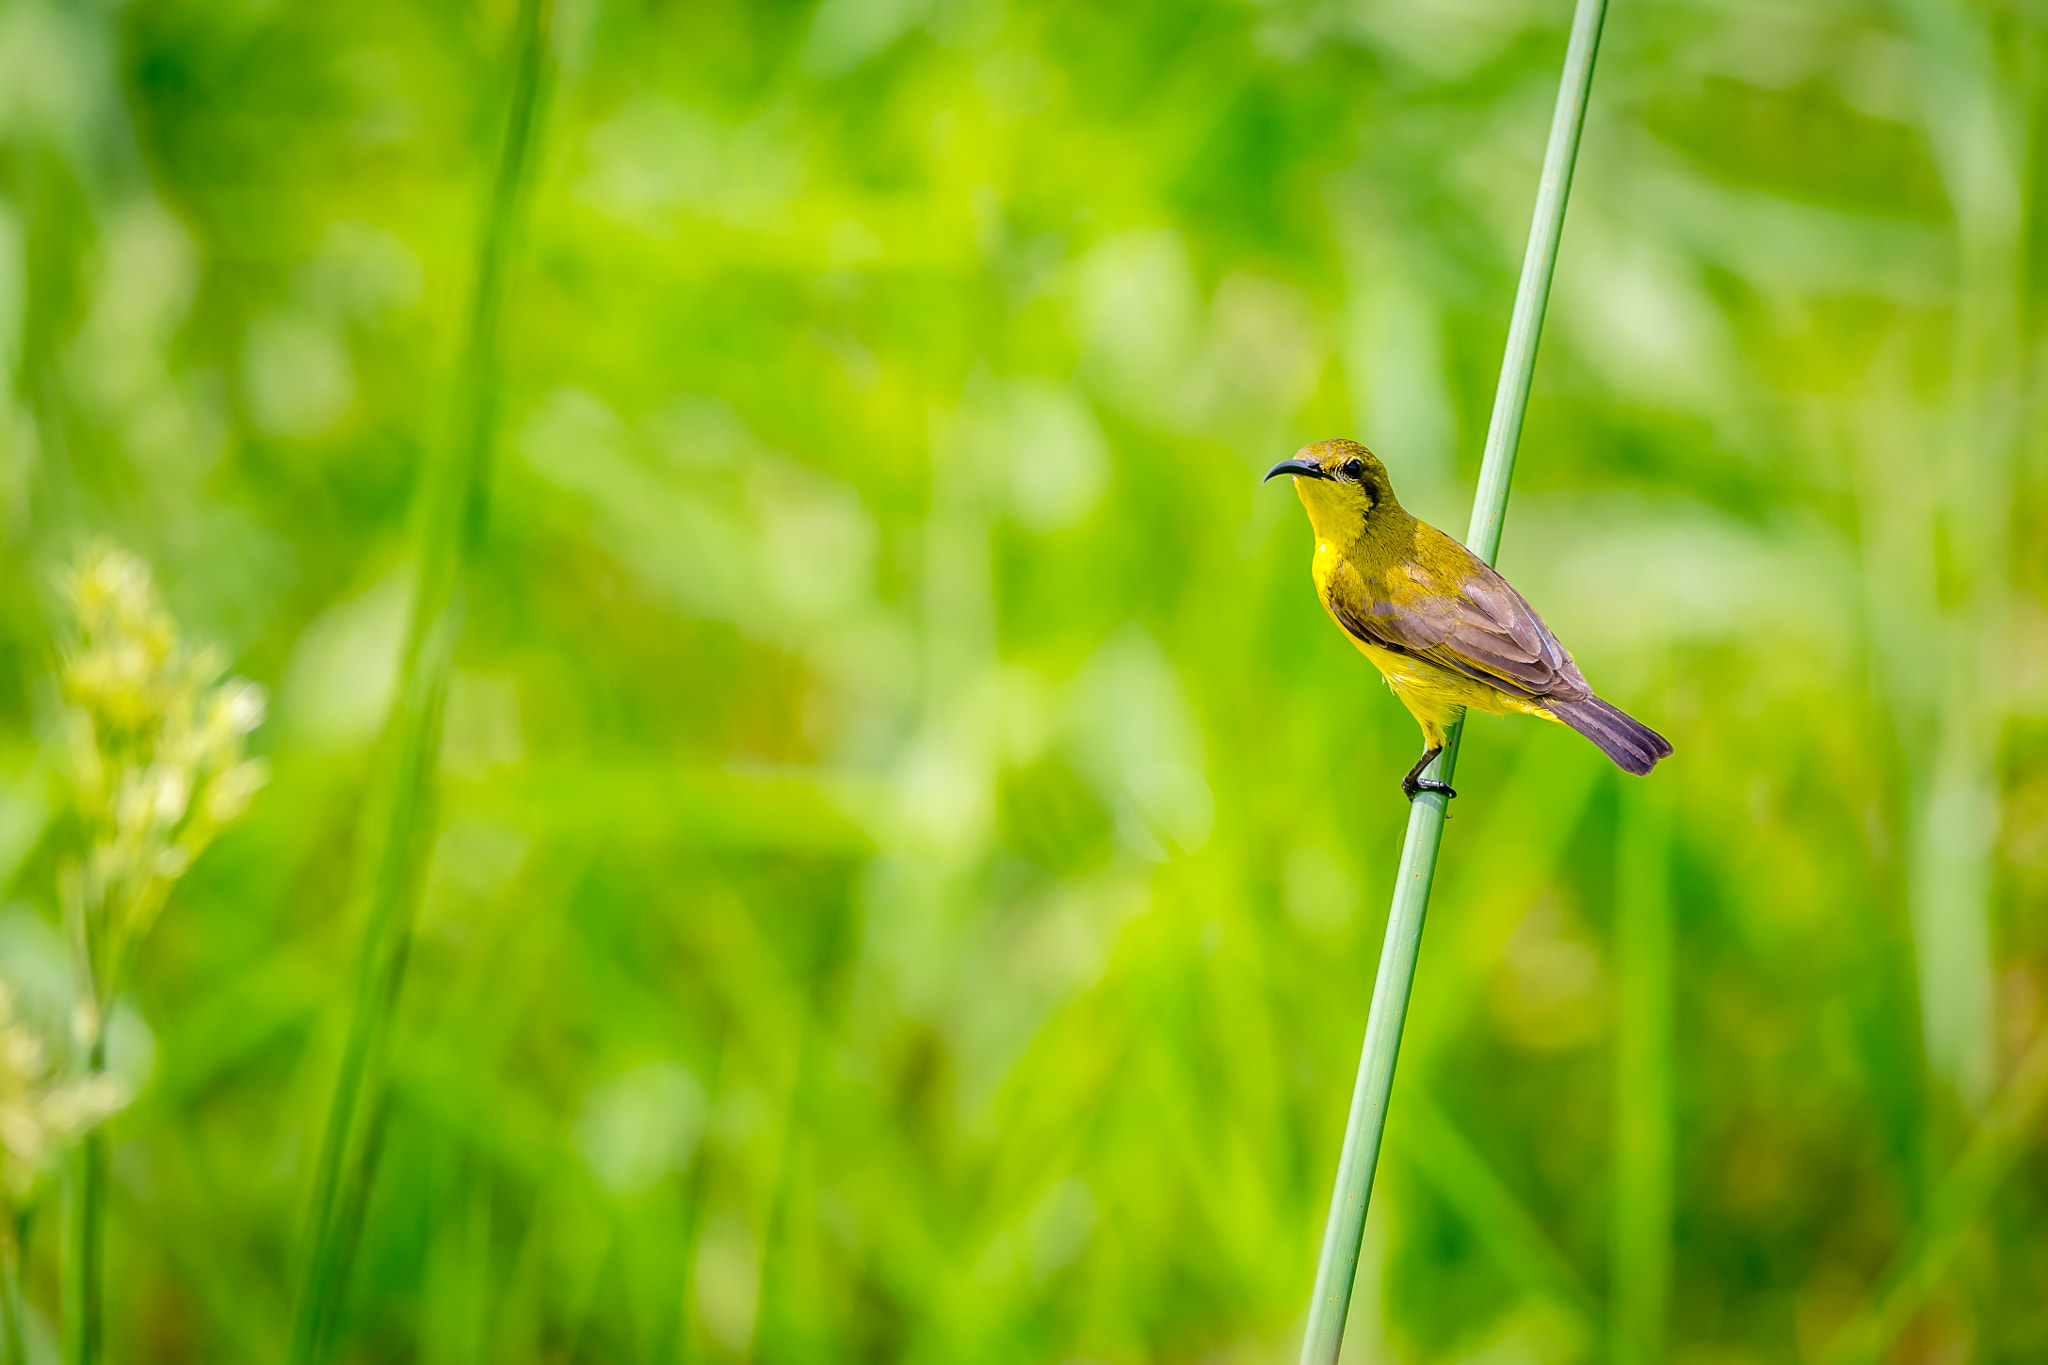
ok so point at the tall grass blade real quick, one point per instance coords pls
(1505, 1227)
(1640, 1273)
(1337, 1267)
(85, 1296)
(54, 495)
(2011, 1125)
(13, 1302)
(1973, 123)
(401, 824)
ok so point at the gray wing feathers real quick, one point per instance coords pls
(1497, 631)
(1483, 629)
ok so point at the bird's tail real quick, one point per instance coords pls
(1632, 745)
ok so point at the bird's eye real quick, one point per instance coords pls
(1354, 469)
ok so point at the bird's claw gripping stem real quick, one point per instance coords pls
(1414, 784)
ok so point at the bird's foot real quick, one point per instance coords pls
(1414, 784)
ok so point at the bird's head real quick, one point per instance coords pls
(1341, 483)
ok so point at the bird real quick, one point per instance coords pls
(1444, 629)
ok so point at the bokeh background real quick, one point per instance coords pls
(912, 852)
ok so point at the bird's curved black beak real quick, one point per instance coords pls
(1307, 469)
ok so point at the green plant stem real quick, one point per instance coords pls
(402, 822)
(2010, 1126)
(14, 1343)
(85, 1317)
(1337, 1266)
(1460, 1173)
(1640, 1251)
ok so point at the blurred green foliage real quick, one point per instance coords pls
(912, 851)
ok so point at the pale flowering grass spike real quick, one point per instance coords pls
(156, 743)
(157, 739)
(41, 1112)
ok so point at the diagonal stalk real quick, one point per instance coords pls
(85, 1302)
(402, 823)
(1446, 1158)
(84, 1319)
(1337, 1266)
(2011, 1124)
(1639, 1277)
(14, 1250)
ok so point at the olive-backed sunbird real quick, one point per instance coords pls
(1445, 629)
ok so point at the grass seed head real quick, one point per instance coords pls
(40, 1114)
(156, 741)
